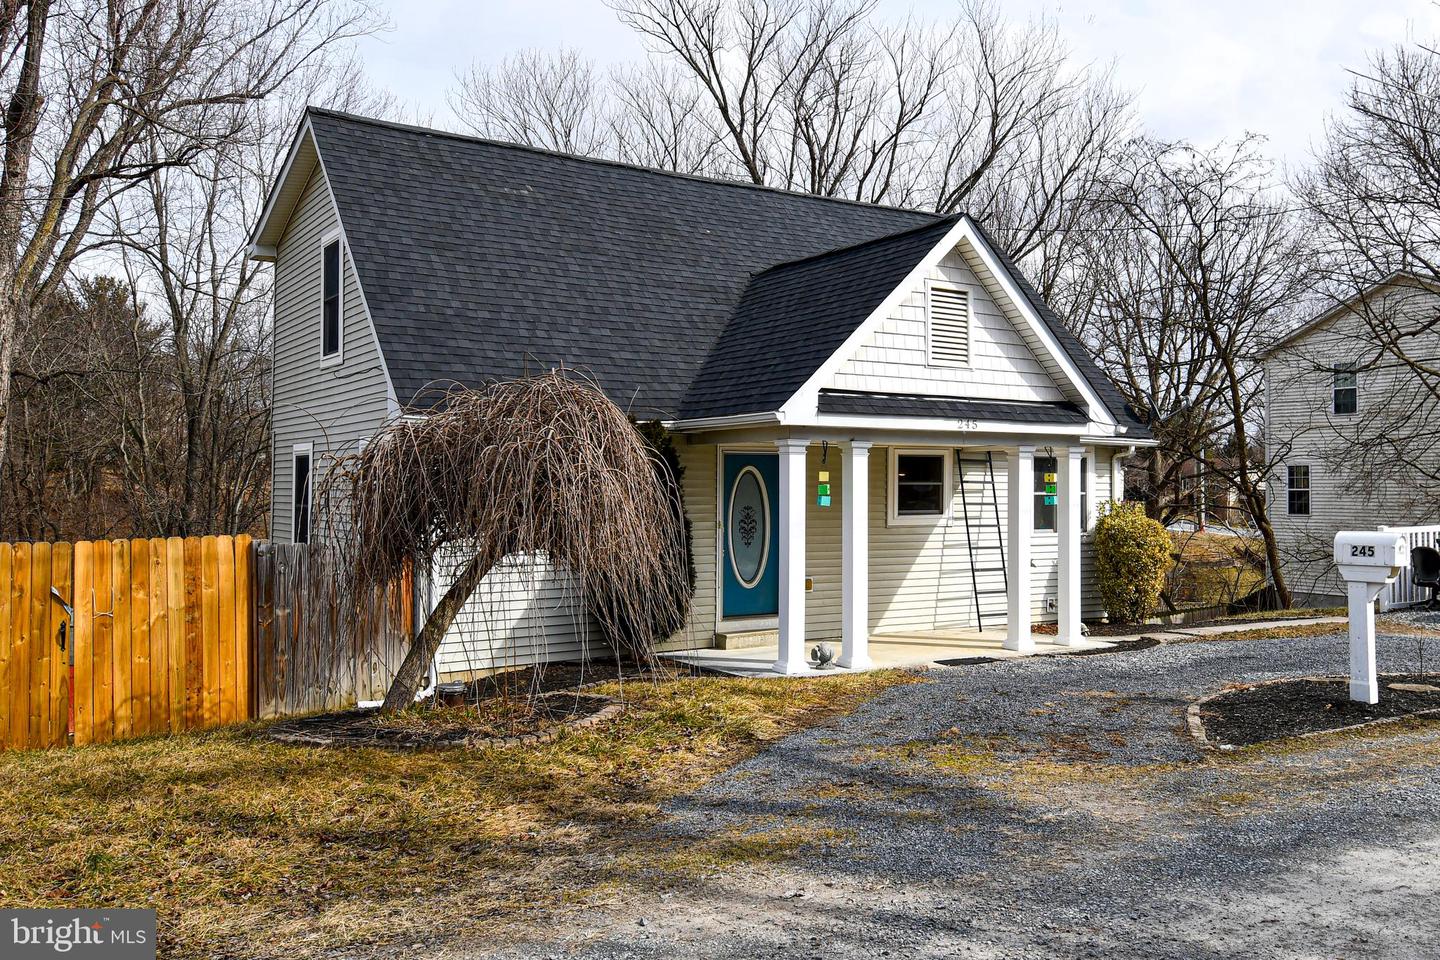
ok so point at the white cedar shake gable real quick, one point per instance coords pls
(896, 357)
(1013, 354)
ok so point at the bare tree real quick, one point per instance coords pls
(821, 96)
(99, 95)
(547, 467)
(555, 101)
(1201, 262)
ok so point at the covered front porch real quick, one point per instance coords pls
(873, 547)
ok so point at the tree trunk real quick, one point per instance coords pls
(417, 662)
(10, 312)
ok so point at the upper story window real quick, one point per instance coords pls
(948, 320)
(1297, 484)
(331, 313)
(1346, 392)
(920, 485)
(1047, 493)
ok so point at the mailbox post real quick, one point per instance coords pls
(1367, 562)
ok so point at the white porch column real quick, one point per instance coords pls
(791, 516)
(1020, 523)
(855, 554)
(1068, 519)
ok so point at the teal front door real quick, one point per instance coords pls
(750, 581)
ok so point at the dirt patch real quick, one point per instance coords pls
(492, 723)
(1290, 708)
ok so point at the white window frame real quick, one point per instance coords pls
(930, 287)
(306, 450)
(330, 359)
(1335, 390)
(1309, 489)
(892, 503)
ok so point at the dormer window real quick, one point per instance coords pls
(948, 314)
(331, 312)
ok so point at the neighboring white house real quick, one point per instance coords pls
(882, 426)
(1352, 428)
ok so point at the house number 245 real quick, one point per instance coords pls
(1358, 550)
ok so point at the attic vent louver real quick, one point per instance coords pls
(949, 315)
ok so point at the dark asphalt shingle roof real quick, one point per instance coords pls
(947, 408)
(794, 316)
(484, 260)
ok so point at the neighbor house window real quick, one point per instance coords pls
(948, 310)
(920, 486)
(1047, 493)
(1298, 489)
(1346, 392)
(300, 493)
(330, 312)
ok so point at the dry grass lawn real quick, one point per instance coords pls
(251, 848)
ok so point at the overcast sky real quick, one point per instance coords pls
(1202, 69)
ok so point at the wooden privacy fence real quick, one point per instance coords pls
(106, 640)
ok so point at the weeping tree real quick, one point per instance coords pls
(544, 466)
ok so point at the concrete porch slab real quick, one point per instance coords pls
(887, 651)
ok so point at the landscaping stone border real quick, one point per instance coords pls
(1196, 726)
(294, 732)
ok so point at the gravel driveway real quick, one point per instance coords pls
(1053, 806)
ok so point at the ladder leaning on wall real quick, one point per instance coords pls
(977, 523)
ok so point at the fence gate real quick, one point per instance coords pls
(34, 690)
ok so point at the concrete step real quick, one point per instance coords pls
(747, 639)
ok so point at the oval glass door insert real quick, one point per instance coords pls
(747, 529)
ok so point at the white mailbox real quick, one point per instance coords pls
(1371, 557)
(1367, 561)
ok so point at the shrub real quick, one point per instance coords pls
(1132, 556)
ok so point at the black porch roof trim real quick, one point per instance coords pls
(948, 408)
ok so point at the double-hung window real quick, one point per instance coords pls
(331, 311)
(1345, 394)
(1297, 489)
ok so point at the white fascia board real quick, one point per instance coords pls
(721, 423)
(801, 407)
(302, 136)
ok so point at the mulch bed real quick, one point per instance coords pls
(536, 720)
(1120, 646)
(1289, 708)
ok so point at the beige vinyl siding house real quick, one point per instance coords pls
(794, 342)
(1320, 488)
